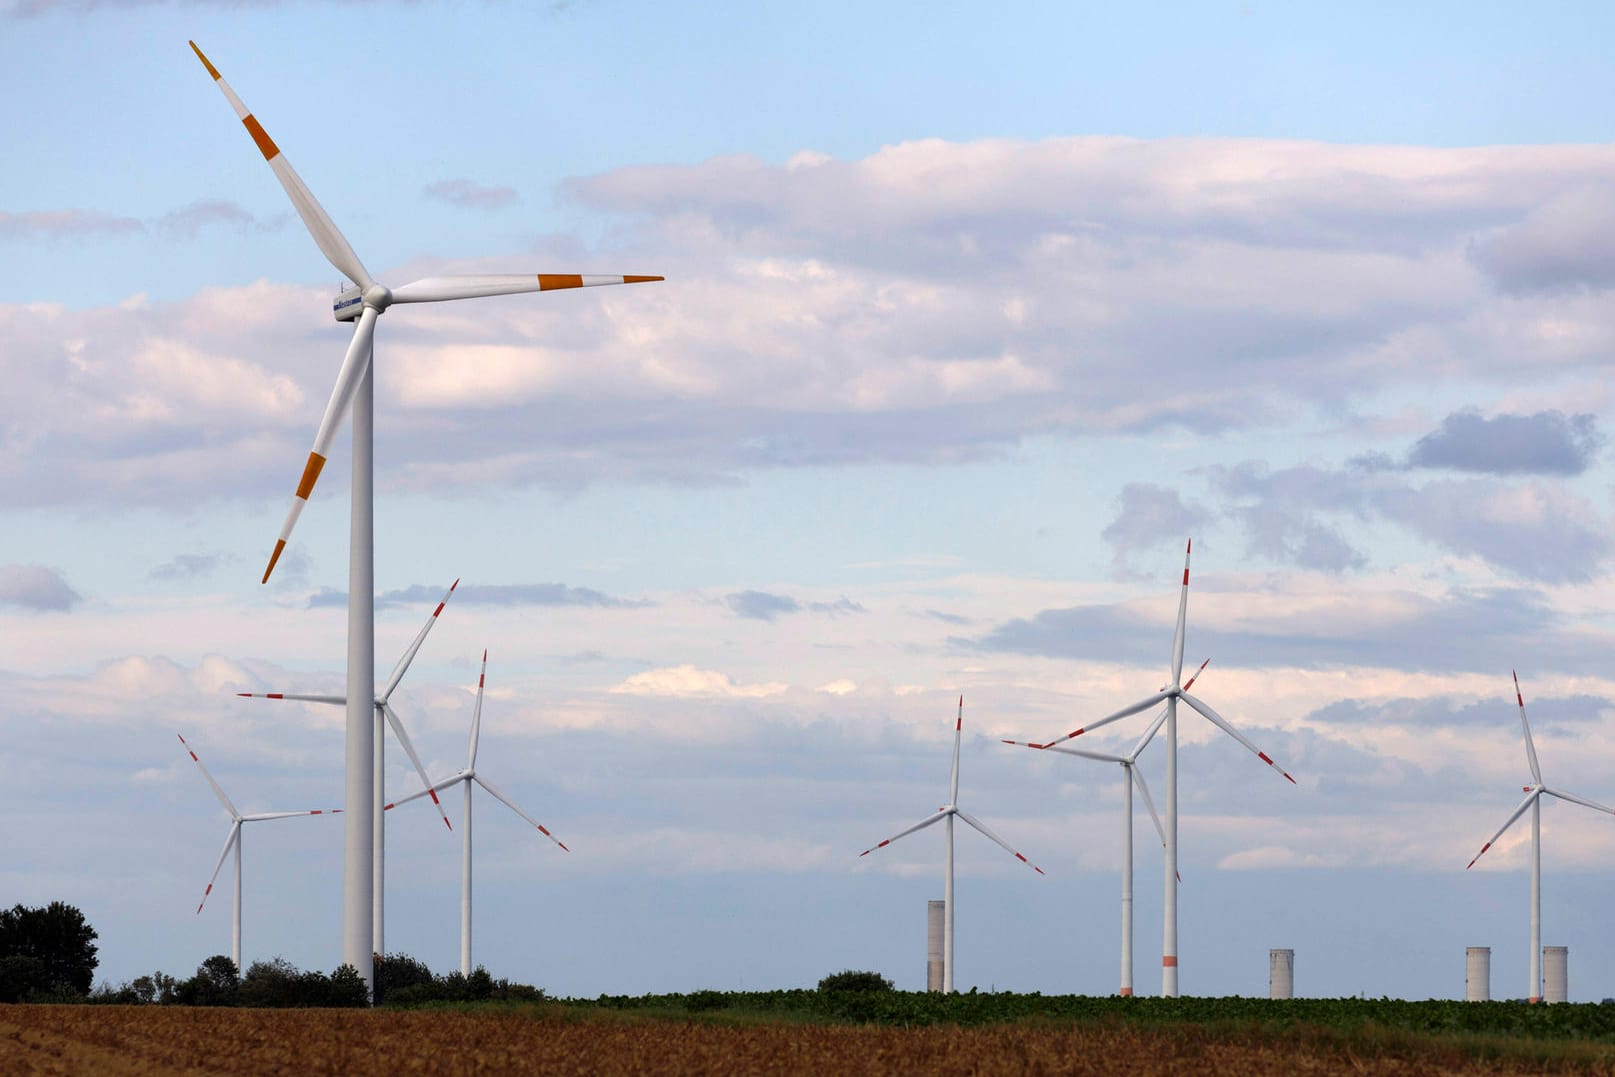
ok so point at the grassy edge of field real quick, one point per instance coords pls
(1350, 1039)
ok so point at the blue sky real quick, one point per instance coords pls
(971, 318)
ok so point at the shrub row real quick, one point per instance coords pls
(1576, 1021)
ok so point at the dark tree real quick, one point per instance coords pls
(401, 972)
(347, 988)
(56, 936)
(855, 981)
(215, 983)
(21, 977)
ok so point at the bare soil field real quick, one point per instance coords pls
(120, 1040)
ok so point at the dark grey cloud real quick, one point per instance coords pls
(761, 605)
(1275, 533)
(186, 566)
(1567, 241)
(188, 223)
(68, 224)
(1484, 630)
(765, 606)
(59, 224)
(469, 195)
(1535, 529)
(1546, 443)
(471, 594)
(1149, 516)
(36, 587)
(1484, 716)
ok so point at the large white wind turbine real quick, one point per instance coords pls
(1131, 776)
(355, 384)
(1533, 800)
(384, 713)
(466, 777)
(233, 841)
(1170, 695)
(947, 812)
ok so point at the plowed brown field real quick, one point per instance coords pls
(119, 1040)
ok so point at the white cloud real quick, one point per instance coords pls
(687, 681)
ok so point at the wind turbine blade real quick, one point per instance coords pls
(1149, 802)
(409, 750)
(1149, 734)
(979, 825)
(1530, 747)
(1222, 723)
(341, 701)
(511, 804)
(1101, 756)
(463, 776)
(420, 637)
(315, 219)
(941, 814)
(336, 409)
(229, 842)
(1183, 614)
(1126, 712)
(476, 715)
(437, 289)
(229, 807)
(1526, 803)
(958, 728)
(1190, 683)
(265, 815)
(1584, 802)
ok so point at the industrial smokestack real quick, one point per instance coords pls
(1555, 974)
(1478, 974)
(1281, 973)
(935, 914)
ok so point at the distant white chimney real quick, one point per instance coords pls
(1478, 974)
(935, 914)
(1281, 973)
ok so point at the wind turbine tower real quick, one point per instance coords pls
(355, 388)
(466, 777)
(947, 813)
(1174, 692)
(1533, 800)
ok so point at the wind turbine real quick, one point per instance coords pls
(355, 386)
(233, 841)
(1171, 694)
(1533, 800)
(1131, 776)
(947, 812)
(384, 713)
(466, 777)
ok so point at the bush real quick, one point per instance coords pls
(279, 984)
(215, 983)
(271, 983)
(347, 988)
(855, 981)
(400, 973)
(407, 981)
(703, 1001)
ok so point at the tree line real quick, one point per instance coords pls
(49, 954)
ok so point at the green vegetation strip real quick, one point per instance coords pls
(1593, 1022)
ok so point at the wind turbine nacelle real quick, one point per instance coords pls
(349, 305)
